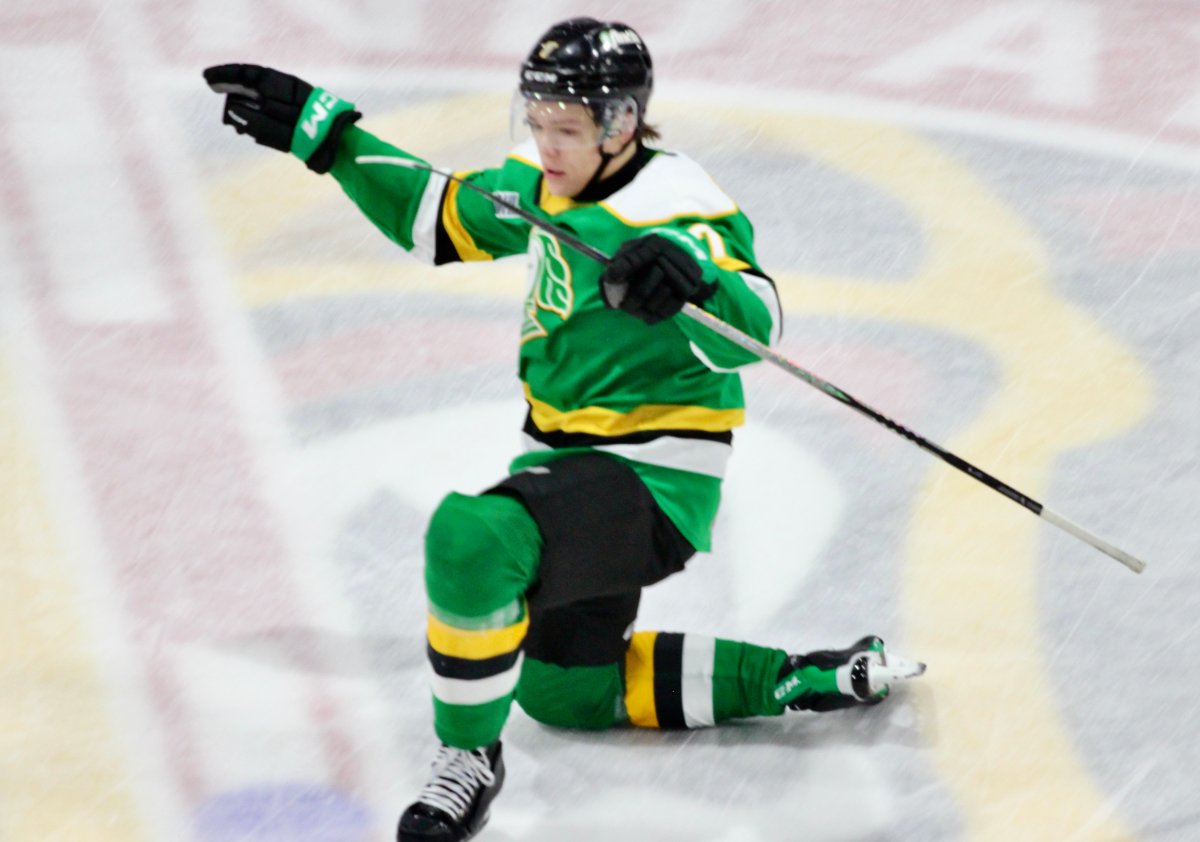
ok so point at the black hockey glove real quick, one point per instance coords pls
(652, 277)
(282, 112)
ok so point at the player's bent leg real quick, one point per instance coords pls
(571, 677)
(481, 553)
(691, 681)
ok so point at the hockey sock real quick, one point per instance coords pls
(690, 681)
(480, 553)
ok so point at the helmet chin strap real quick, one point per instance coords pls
(605, 158)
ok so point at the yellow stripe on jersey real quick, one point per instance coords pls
(463, 242)
(599, 421)
(517, 156)
(553, 204)
(731, 263)
(639, 680)
(475, 644)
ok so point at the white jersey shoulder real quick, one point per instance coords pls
(669, 186)
(527, 152)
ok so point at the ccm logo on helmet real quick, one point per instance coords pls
(611, 39)
(540, 76)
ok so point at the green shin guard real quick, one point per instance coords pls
(481, 553)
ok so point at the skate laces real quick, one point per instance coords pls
(457, 776)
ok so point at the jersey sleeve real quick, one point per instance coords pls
(744, 297)
(433, 217)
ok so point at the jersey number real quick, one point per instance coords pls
(716, 246)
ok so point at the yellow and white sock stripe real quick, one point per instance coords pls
(669, 680)
(476, 660)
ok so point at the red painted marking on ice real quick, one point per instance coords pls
(170, 475)
(68, 346)
(391, 353)
(1140, 222)
(46, 22)
(1146, 58)
(199, 584)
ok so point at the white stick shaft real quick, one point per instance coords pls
(1133, 563)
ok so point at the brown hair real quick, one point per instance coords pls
(645, 132)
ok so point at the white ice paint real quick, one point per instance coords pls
(1188, 113)
(394, 26)
(222, 24)
(251, 718)
(85, 213)
(1059, 69)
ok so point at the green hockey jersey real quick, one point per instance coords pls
(663, 397)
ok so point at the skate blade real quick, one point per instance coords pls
(892, 670)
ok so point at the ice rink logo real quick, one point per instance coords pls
(1007, 190)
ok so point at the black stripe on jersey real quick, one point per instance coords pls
(469, 669)
(558, 438)
(760, 274)
(668, 680)
(443, 247)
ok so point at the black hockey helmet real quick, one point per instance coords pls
(592, 62)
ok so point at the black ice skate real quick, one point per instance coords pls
(834, 679)
(453, 806)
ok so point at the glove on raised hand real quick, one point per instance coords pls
(282, 112)
(652, 277)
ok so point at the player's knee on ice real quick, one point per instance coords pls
(571, 697)
(481, 553)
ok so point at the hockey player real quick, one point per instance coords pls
(533, 586)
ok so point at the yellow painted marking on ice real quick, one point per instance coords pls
(63, 774)
(969, 588)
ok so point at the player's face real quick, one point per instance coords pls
(568, 142)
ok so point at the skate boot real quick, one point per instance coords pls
(453, 806)
(841, 678)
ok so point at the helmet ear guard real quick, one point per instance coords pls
(618, 117)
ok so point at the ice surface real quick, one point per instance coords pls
(227, 406)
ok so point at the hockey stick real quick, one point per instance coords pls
(763, 352)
